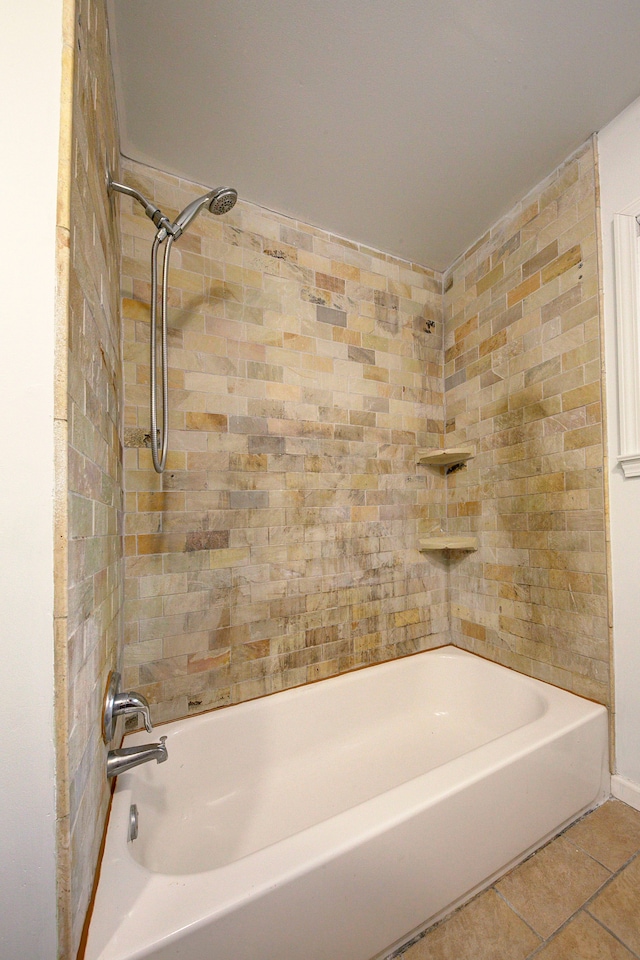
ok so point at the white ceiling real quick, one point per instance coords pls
(407, 125)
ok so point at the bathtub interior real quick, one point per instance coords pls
(272, 769)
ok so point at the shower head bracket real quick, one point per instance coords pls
(154, 213)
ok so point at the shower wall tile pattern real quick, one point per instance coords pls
(281, 544)
(523, 389)
(89, 575)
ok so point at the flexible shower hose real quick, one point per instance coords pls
(160, 460)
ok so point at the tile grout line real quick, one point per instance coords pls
(595, 859)
(535, 854)
(518, 915)
(589, 902)
(612, 934)
(613, 875)
(584, 907)
(545, 943)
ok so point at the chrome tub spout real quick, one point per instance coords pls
(127, 757)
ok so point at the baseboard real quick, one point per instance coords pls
(626, 790)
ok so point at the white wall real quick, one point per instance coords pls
(619, 154)
(30, 71)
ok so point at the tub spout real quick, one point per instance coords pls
(127, 757)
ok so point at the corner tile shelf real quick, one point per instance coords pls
(444, 542)
(445, 458)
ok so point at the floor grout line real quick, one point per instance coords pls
(614, 875)
(524, 920)
(614, 935)
(583, 908)
(518, 915)
(595, 859)
(545, 943)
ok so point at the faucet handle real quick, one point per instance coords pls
(116, 703)
(132, 702)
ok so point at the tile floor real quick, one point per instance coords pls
(578, 898)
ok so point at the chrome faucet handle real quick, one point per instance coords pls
(116, 703)
(132, 702)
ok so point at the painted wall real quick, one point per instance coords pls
(30, 115)
(523, 391)
(281, 543)
(619, 162)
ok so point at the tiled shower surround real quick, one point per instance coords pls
(523, 381)
(307, 376)
(281, 544)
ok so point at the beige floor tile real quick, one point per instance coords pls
(611, 834)
(552, 885)
(486, 929)
(618, 907)
(585, 939)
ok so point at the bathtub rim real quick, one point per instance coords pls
(358, 668)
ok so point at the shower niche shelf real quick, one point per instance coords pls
(445, 458)
(446, 542)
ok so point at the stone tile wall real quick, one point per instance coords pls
(89, 500)
(523, 390)
(280, 545)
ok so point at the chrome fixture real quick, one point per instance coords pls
(127, 757)
(218, 201)
(117, 703)
(132, 832)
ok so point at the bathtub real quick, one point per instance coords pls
(334, 821)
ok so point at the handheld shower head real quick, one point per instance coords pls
(218, 201)
(223, 199)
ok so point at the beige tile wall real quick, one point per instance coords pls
(523, 390)
(280, 545)
(89, 500)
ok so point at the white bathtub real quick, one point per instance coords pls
(333, 821)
